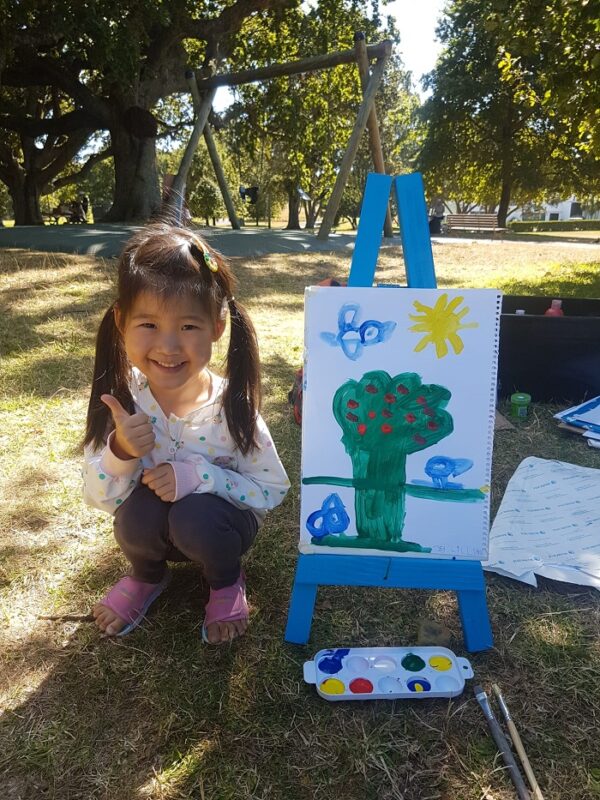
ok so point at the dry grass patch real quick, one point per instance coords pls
(158, 715)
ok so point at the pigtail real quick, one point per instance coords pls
(242, 395)
(111, 374)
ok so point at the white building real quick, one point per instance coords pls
(565, 210)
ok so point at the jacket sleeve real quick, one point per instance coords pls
(259, 483)
(107, 480)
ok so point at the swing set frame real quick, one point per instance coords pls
(203, 89)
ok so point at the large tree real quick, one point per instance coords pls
(505, 119)
(43, 136)
(115, 61)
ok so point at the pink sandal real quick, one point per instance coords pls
(130, 599)
(226, 605)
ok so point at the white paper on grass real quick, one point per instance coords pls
(449, 529)
(548, 524)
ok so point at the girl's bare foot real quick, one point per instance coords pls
(226, 631)
(107, 620)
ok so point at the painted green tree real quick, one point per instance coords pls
(384, 419)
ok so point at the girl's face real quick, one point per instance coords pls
(170, 341)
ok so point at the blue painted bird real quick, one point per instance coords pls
(353, 338)
(439, 468)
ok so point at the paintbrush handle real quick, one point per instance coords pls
(509, 759)
(514, 735)
(519, 747)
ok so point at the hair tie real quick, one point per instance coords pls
(201, 253)
(231, 299)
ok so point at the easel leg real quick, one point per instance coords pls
(300, 613)
(475, 620)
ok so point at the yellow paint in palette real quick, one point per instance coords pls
(440, 663)
(332, 686)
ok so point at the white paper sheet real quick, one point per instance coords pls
(371, 483)
(548, 524)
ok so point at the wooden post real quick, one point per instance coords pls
(176, 197)
(222, 181)
(359, 126)
(381, 50)
(362, 60)
(213, 153)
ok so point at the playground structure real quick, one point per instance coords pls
(203, 87)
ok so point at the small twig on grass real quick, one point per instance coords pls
(68, 617)
(566, 611)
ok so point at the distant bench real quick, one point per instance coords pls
(473, 222)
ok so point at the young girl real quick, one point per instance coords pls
(180, 456)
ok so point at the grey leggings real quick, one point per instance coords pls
(201, 528)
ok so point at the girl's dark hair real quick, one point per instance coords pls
(170, 261)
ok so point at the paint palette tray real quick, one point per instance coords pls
(387, 673)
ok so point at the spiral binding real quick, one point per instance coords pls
(492, 418)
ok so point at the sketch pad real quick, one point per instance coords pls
(398, 421)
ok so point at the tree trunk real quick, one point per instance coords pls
(507, 164)
(293, 208)
(504, 200)
(137, 194)
(25, 195)
(311, 209)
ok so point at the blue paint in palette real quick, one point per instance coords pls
(418, 685)
(331, 663)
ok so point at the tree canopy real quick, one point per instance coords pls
(510, 114)
(109, 63)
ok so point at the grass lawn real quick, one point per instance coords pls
(159, 715)
(584, 236)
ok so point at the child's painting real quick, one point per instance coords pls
(398, 420)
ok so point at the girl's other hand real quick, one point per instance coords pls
(161, 480)
(134, 434)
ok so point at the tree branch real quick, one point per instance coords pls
(84, 171)
(51, 72)
(230, 20)
(53, 126)
(59, 157)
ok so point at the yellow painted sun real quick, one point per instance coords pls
(440, 324)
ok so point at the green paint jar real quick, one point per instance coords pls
(519, 404)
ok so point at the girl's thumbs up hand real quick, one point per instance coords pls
(134, 434)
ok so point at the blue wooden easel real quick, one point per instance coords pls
(463, 577)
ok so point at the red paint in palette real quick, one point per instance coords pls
(361, 686)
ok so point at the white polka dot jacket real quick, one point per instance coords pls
(203, 455)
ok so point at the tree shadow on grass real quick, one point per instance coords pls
(158, 714)
(16, 560)
(23, 332)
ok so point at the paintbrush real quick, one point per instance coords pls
(502, 744)
(516, 739)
